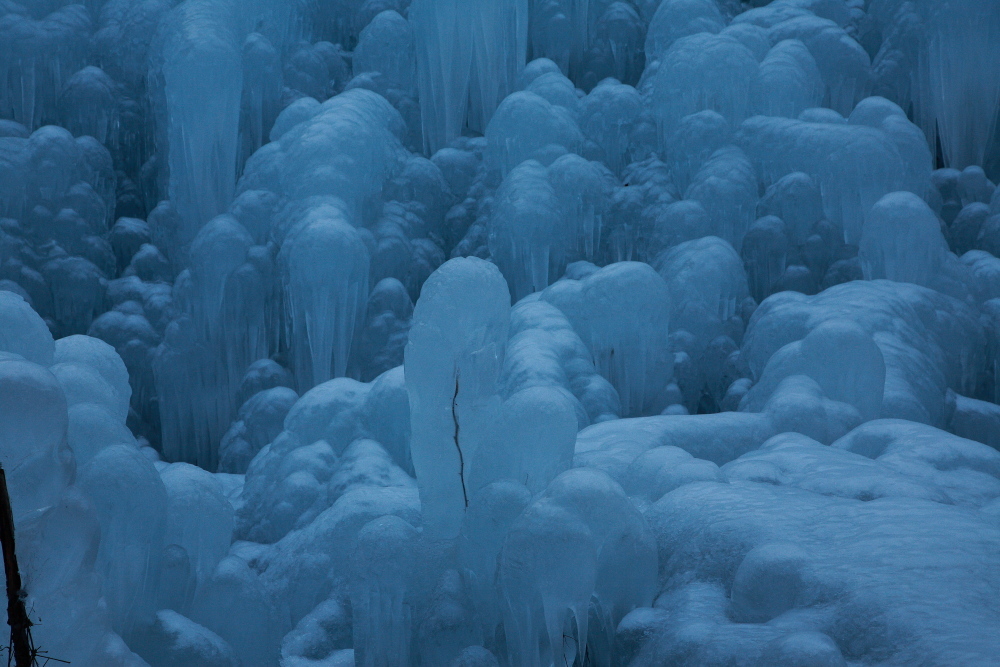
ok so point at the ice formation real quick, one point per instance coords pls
(502, 333)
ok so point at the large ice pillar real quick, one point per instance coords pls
(206, 350)
(131, 503)
(444, 61)
(546, 573)
(452, 363)
(33, 426)
(527, 235)
(492, 510)
(261, 96)
(499, 47)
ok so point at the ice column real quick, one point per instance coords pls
(572, 565)
(325, 274)
(902, 240)
(261, 96)
(500, 44)
(492, 510)
(452, 362)
(963, 62)
(383, 561)
(560, 31)
(131, 503)
(469, 53)
(527, 235)
(444, 47)
(202, 74)
(950, 49)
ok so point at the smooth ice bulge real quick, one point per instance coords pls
(502, 333)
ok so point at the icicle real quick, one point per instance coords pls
(383, 564)
(465, 48)
(325, 268)
(202, 73)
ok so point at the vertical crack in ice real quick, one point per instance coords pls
(461, 458)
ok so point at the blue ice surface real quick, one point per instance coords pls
(521, 333)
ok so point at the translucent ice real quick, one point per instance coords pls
(523, 126)
(202, 107)
(790, 82)
(622, 313)
(925, 55)
(325, 266)
(502, 332)
(538, 427)
(176, 638)
(453, 361)
(706, 283)
(468, 57)
(386, 46)
(725, 186)
(23, 332)
(704, 71)
(545, 350)
(902, 240)
(233, 604)
(607, 117)
(132, 533)
(561, 572)
(88, 105)
(545, 218)
(382, 562)
(38, 52)
(199, 519)
(33, 432)
(675, 19)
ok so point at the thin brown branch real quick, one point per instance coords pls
(22, 648)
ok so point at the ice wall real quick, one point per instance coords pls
(497, 333)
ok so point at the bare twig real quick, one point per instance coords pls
(22, 648)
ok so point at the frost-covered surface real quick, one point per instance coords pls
(503, 333)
